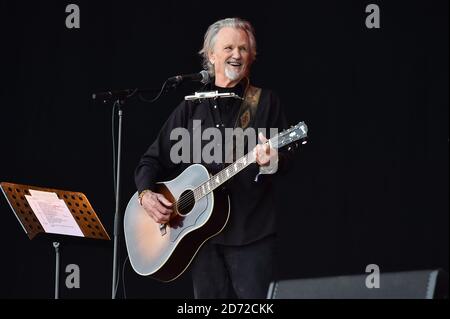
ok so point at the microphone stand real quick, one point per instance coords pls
(117, 187)
(119, 98)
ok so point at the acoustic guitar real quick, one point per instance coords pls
(164, 251)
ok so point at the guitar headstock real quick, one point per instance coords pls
(295, 133)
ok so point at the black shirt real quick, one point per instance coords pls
(253, 209)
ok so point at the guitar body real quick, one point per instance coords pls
(165, 252)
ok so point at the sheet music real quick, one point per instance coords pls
(43, 195)
(53, 213)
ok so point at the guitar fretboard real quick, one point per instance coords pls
(223, 176)
(276, 142)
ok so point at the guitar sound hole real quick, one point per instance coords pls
(185, 203)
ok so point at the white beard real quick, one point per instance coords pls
(231, 74)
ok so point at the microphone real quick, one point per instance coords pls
(202, 76)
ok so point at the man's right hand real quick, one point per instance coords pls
(157, 207)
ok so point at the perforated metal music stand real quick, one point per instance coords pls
(77, 203)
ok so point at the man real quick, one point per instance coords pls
(238, 262)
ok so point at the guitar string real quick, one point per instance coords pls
(186, 200)
(182, 199)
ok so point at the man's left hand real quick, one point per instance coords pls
(264, 153)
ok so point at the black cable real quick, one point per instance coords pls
(132, 93)
(118, 279)
(123, 278)
(143, 99)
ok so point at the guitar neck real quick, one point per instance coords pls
(224, 175)
(282, 139)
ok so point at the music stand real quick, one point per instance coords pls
(77, 203)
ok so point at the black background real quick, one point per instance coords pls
(371, 186)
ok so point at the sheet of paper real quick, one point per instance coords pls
(44, 195)
(54, 215)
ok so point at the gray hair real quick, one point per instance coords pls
(210, 39)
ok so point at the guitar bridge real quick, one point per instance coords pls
(162, 229)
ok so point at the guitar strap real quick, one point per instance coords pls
(247, 114)
(249, 106)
